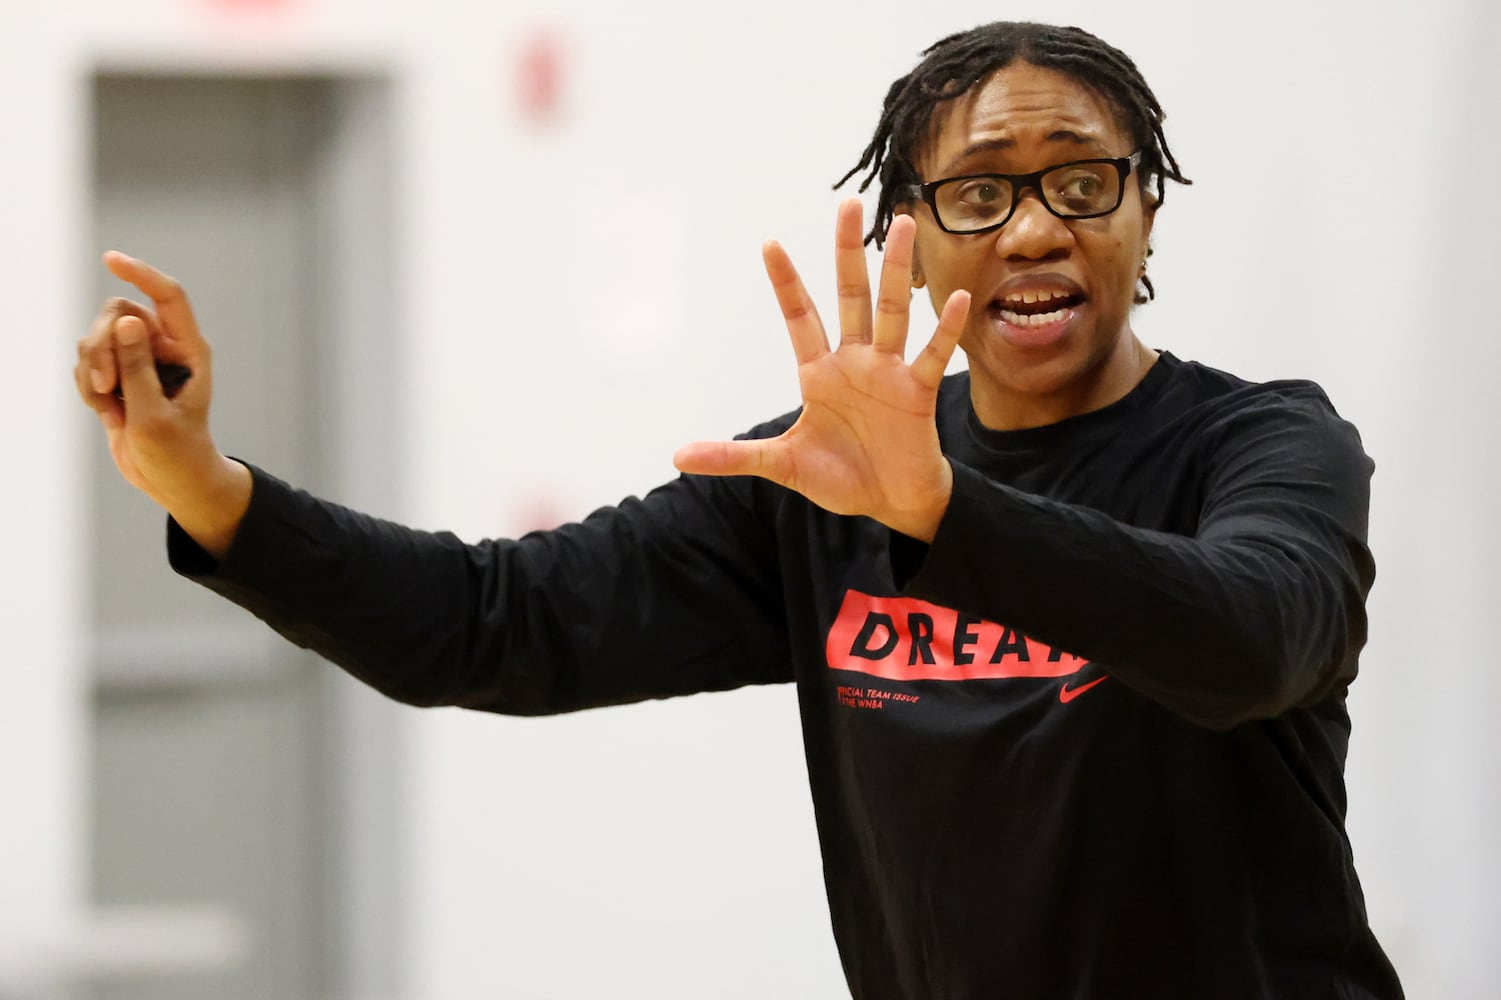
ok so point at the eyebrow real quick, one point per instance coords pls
(989, 145)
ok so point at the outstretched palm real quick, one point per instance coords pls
(866, 442)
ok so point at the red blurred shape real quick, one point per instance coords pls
(252, 6)
(541, 510)
(539, 76)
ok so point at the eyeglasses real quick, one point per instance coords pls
(978, 203)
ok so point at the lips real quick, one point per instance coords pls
(1036, 310)
(1037, 330)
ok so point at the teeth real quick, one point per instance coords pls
(1039, 319)
(1035, 296)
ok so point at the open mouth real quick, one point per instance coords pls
(1029, 309)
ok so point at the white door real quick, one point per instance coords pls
(230, 769)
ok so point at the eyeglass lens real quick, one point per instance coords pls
(1071, 189)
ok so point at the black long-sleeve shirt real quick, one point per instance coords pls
(1088, 743)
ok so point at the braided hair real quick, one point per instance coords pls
(951, 66)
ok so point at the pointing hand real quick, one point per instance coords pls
(161, 445)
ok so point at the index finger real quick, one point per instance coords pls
(809, 341)
(96, 350)
(166, 293)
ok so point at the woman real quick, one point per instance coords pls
(1071, 631)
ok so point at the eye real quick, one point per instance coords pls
(1080, 189)
(1083, 186)
(967, 204)
(980, 192)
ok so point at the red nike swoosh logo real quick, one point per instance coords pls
(1067, 694)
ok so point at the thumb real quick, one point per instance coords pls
(766, 458)
(137, 367)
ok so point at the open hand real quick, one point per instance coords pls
(866, 442)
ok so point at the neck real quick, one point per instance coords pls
(1010, 407)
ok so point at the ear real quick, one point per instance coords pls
(1145, 250)
(1148, 216)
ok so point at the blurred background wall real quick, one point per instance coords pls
(526, 261)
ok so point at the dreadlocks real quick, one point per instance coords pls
(952, 66)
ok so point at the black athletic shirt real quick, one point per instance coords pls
(1088, 743)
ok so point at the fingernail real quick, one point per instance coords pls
(129, 333)
(99, 381)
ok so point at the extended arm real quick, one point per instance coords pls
(1261, 609)
(674, 593)
(670, 594)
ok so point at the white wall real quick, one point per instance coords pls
(41, 583)
(668, 850)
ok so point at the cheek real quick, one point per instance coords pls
(955, 263)
(1112, 261)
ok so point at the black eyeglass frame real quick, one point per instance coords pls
(1020, 182)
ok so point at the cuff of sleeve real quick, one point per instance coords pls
(189, 559)
(907, 557)
(934, 570)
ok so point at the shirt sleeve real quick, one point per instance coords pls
(673, 593)
(1260, 610)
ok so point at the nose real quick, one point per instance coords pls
(1033, 233)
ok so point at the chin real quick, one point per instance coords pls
(1044, 379)
(1034, 371)
(1039, 385)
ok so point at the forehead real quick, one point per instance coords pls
(1020, 115)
